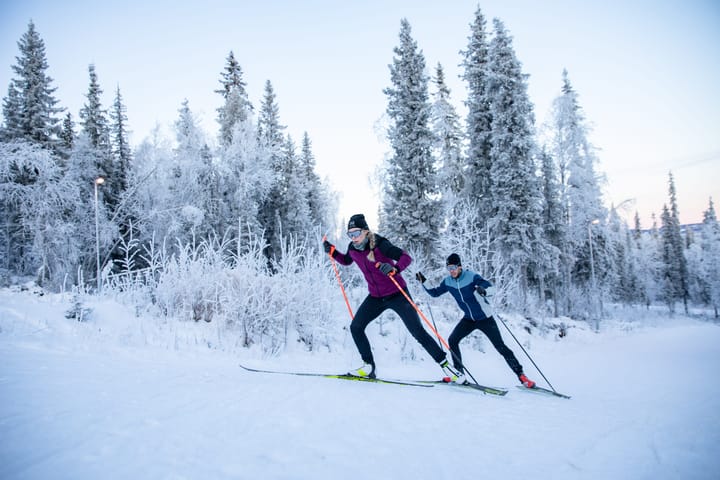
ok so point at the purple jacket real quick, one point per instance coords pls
(379, 285)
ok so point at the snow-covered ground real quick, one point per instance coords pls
(124, 397)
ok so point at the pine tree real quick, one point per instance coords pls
(120, 146)
(93, 117)
(67, 135)
(580, 194)
(554, 230)
(410, 211)
(448, 145)
(294, 213)
(237, 106)
(710, 265)
(479, 118)
(674, 261)
(316, 196)
(270, 137)
(515, 212)
(30, 108)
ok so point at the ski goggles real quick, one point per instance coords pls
(452, 268)
(354, 233)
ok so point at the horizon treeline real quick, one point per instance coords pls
(521, 204)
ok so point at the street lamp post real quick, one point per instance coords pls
(98, 181)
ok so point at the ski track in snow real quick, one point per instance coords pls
(645, 406)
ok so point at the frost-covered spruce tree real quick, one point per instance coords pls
(294, 207)
(475, 60)
(321, 212)
(448, 148)
(95, 125)
(709, 271)
(29, 110)
(41, 235)
(245, 177)
(192, 185)
(119, 143)
(581, 201)
(94, 118)
(549, 274)
(675, 272)
(648, 257)
(514, 196)
(271, 138)
(410, 210)
(619, 274)
(237, 106)
(67, 136)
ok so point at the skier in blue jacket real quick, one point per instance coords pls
(466, 286)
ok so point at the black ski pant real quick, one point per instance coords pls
(372, 307)
(490, 329)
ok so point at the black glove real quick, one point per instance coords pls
(327, 246)
(421, 278)
(480, 290)
(387, 269)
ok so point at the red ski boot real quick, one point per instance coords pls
(526, 381)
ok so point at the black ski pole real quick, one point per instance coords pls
(526, 353)
(454, 356)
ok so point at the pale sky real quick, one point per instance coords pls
(647, 74)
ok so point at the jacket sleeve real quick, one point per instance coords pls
(437, 291)
(401, 257)
(479, 281)
(343, 258)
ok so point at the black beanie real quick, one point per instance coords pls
(358, 221)
(453, 259)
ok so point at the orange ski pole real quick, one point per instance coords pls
(337, 275)
(427, 322)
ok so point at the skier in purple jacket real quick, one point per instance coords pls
(378, 259)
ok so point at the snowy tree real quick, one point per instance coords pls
(294, 211)
(191, 184)
(317, 194)
(29, 110)
(515, 212)
(709, 268)
(410, 209)
(647, 259)
(67, 136)
(237, 106)
(245, 178)
(448, 145)
(271, 138)
(555, 232)
(43, 237)
(120, 146)
(93, 116)
(675, 272)
(581, 202)
(475, 63)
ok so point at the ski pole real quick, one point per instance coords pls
(407, 297)
(434, 330)
(455, 357)
(432, 317)
(337, 275)
(526, 353)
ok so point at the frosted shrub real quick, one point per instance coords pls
(272, 308)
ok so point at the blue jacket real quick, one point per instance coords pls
(463, 290)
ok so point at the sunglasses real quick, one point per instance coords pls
(354, 233)
(452, 268)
